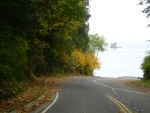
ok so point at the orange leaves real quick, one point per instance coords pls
(84, 62)
(78, 59)
(80, 62)
(34, 91)
(91, 62)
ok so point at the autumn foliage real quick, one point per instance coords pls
(40, 37)
(84, 63)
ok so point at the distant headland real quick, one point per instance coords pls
(114, 45)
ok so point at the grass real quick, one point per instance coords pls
(145, 82)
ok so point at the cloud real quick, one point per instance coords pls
(118, 20)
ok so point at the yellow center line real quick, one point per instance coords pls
(118, 105)
(122, 106)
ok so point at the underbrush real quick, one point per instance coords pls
(39, 86)
(145, 82)
(15, 94)
(11, 88)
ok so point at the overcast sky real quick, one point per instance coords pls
(119, 20)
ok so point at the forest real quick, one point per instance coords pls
(41, 37)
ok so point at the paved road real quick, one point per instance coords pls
(99, 95)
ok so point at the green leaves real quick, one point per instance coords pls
(97, 43)
(145, 66)
(13, 56)
(38, 36)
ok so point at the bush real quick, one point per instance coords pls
(84, 63)
(145, 66)
(91, 63)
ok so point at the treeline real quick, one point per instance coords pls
(145, 66)
(42, 36)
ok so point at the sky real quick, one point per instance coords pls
(119, 20)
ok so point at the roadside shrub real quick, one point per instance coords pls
(78, 60)
(91, 63)
(11, 88)
(145, 66)
(84, 63)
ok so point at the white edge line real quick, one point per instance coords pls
(114, 91)
(131, 91)
(44, 111)
(119, 89)
(102, 84)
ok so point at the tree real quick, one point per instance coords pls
(145, 66)
(147, 8)
(84, 62)
(63, 25)
(39, 36)
(97, 43)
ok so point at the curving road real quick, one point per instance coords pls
(99, 95)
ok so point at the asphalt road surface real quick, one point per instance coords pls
(99, 95)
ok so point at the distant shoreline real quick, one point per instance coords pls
(115, 47)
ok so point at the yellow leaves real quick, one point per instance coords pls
(91, 61)
(58, 24)
(78, 59)
(80, 3)
(85, 62)
(41, 44)
(64, 57)
(43, 23)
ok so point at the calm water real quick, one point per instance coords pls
(123, 61)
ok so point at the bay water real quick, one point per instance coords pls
(124, 61)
